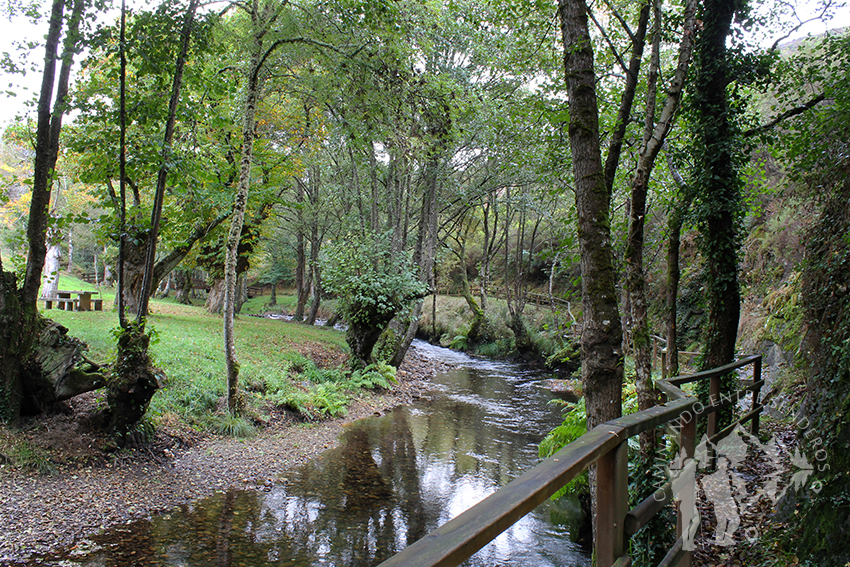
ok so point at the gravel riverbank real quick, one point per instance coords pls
(87, 491)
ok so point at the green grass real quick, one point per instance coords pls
(21, 453)
(285, 303)
(189, 347)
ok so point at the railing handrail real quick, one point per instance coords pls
(606, 445)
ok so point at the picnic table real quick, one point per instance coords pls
(82, 302)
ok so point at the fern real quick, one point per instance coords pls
(573, 427)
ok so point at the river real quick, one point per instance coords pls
(391, 480)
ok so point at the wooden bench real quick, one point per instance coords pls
(97, 304)
(67, 304)
(63, 303)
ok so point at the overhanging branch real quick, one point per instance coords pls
(785, 115)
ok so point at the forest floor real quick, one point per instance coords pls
(82, 490)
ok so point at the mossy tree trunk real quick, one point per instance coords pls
(132, 385)
(15, 347)
(718, 187)
(20, 322)
(601, 342)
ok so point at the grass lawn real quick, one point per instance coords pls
(286, 362)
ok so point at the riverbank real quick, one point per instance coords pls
(86, 491)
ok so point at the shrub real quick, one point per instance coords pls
(373, 284)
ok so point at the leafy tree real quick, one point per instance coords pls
(30, 344)
(199, 164)
(373, 283)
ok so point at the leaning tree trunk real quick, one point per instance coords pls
(20, 322)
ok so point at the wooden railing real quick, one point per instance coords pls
(606, 446)
(660, 350)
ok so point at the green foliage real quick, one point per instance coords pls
(231, 425)
(23, 454)
(376, 375)
(652, 542)
(573, 427)
(372, 282)
(314, 401)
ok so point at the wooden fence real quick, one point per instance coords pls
(606, 446)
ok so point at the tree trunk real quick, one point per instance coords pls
(70, 267)
(45, 164)
(317, 283)
(51, 272)
(260, 25)
(601, 342)
(241, 292)
(675, 218)
(215, 297)
(719, 185)
(654, 136)
(107, 272)
(15, 347)
(302, 290)
(132, 386)
(151, 279)
(20, 321)
(273, 296)
(183, 285)
(134, 272)
(474, 332)
(602, 334)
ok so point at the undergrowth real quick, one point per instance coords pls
(20, 453)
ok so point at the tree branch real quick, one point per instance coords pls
(785, 115)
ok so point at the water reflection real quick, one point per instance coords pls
(390, 481)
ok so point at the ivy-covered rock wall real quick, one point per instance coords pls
(823, 521)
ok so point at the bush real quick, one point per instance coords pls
(373, 284)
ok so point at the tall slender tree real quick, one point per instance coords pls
(135, 380)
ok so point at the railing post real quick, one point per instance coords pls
(754, 424)
(685, 506)
(713, 396)
(612, 504)
(664, 364)
(654, 352)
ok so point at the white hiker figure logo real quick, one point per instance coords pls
(726, 488)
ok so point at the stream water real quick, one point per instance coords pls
(391, 480)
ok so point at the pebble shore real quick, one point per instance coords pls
(41, 512)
